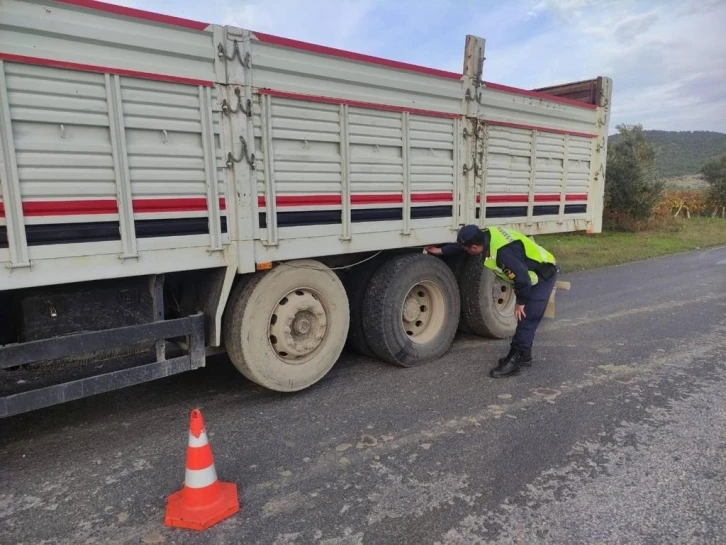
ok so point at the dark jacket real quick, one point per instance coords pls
(512, 257)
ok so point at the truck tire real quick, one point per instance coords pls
(411, 310)
(487, 303)
(456, 263)
(356, 282)
(284, 329)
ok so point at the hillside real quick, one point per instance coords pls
(684, 153)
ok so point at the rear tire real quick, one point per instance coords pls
(456, 263)
(487, 303)
(286, 328)
(411, 310)
(356, 282)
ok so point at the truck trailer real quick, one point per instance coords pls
(172, 189)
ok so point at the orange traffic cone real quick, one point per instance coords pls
(204, 501)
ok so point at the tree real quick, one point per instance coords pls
(631, 187)
(714, 173)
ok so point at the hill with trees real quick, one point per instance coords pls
(683, 153)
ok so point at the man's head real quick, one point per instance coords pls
(473, 240)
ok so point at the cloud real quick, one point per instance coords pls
(336, 23)
(635, 26)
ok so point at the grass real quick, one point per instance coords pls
(578, 251)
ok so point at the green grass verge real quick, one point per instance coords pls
(578, 251)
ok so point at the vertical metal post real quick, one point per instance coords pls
(124, 199)
(156, 285)
(210, 168)
(564, 182)
(270, 190)
(473, 68)
(484, 167)
(468, 170)
(532, 177)
(596, 189)
(17, 241)
(457, 200)
(345, 173)
(406, 156)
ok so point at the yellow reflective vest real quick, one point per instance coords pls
(501, 237)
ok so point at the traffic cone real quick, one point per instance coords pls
(204, 501)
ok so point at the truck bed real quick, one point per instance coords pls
(135, 143)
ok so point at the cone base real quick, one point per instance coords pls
(179, 515)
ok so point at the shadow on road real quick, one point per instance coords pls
(218, 380)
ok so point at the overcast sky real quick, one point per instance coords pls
(667, 57)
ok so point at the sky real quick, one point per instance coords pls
(667, 58)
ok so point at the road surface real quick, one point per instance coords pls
(616, 435)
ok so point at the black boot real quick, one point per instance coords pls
(508, 357)
(508, 366)
(525, 358)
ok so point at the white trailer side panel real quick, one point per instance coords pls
(116, 133)
(163, 144)
(538, 161)
(73, 34)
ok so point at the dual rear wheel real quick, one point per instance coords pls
(285, 329)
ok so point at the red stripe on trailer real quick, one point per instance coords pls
(497, 199)
(174, 205)
(432, 197)
(537, 94)
(136, 13)
(356, 103)
(576, 197)
(70, 208)
(553, 197)
(538, 128)
(376, 199)
(170, 205)
(109, 206)
(65, 65)
(524, 198)
(349, 55)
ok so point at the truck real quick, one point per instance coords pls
(172, 189)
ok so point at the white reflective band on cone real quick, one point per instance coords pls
(198, 441)
(200, 478)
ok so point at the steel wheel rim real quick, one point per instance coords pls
(503, 298)
(423, 312)
(298, 326)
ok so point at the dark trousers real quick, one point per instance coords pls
(534, 309)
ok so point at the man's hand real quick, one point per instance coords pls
(519, 313)
(433, 250)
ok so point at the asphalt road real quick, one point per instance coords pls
(616, 435)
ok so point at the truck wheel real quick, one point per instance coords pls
(411, 310)
(356, 282)
(285, 329)
(487, 303)
(456, 263)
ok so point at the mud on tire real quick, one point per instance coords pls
(411, 310)
(487, 303)
(284, 329)
(356, 283)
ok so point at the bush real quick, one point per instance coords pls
(715, 174)
(631, 188)
(683, 202)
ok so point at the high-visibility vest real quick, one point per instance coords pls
(501, 237)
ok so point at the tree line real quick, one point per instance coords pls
(681, 153)
(633, 184)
